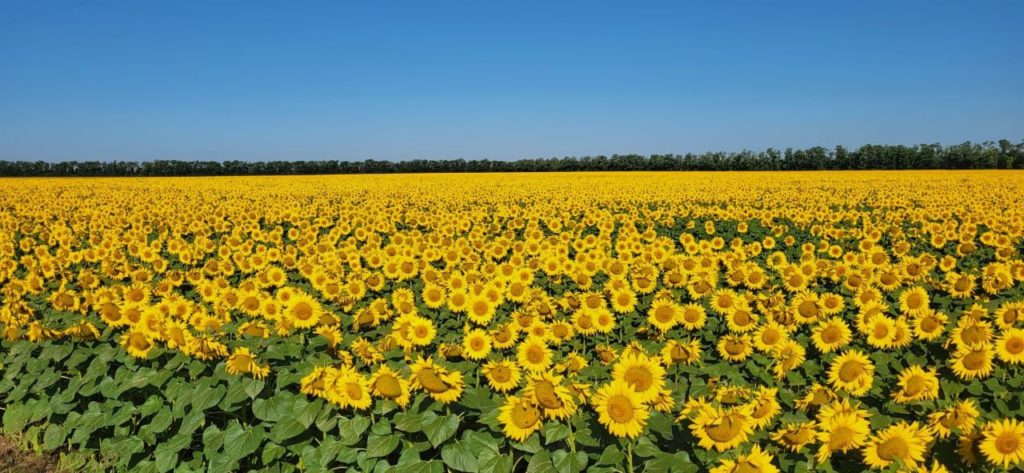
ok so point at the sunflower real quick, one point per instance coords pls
(1003, 442)
(476, 344)
(757, 461)
(970, 332)
(481, 310)
(917, 384)
(442, 386)
(620, 410)
(841, 433)
(764, 407)
(643, 374)
(960, 417)
(317, 381)
(831, 335)
(503, 375)
(794, 436)
(1009, 314)
(930, 325)
(623, 300)
(137, 343)
(881, 332)
(686, 352)
(519, 418)
(663, 314)
(1010, 346)
(302, 310)
(584, 322)
(421, 330)
(787, 356)
(769, 335)
(734, 347)
(904, 442)
(350, 389)
(693, 316)
(388, 384)
(973, 362)
(913, 301)
(243, 362)
(604, 320)
(534, 355)
(721, 429)
(547, 392)
(853, 372)
(504, 336)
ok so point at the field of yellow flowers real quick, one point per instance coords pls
(731, 322)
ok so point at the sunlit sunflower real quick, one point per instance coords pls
(757, 461)
(519, 418)
(1003, 442)
(914, 300)
(441, 384)
(663, 314)
(534, 355)
(960, 417)
(853, 372)
(502, 376)
(905, 442)
(917, 384)
(795, 435)
(1010, 346)
(620, 410)
(137, 343)
(735, 347)
(972, 362)
(476, 345)
(548, 393)
(686, 352)
(302, 310)
(831, 335)
(692, 316)
(386, 383)
(841, 433)
(643, 374)
(721, 429)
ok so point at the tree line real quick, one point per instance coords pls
(988, 155)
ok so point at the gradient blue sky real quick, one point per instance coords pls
(258, 80)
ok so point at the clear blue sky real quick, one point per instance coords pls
(257, 80)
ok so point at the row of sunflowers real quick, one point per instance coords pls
(725, 322)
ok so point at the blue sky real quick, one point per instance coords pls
(259, 80)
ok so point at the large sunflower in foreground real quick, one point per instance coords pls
(1003, 442)
(620, 410)
(757, 461)
(721, 429)
(852, 371)
(643, 374)
(904, 442)
(519, 418)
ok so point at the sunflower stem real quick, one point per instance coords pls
(629, 456)
(572, 437)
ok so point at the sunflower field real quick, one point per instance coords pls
(663, 322)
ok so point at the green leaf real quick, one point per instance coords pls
(306, 412)
(286, 429)
(571, 462)
(408, 422)
(382, 446)
(540, 462)
(161, 421)
(271, 452)
(611, 456)
(352, 429)
(458, 457)
(554, 432)
(677, 463)
(54, 436)
(240, 442)
(439, 428)
(271, 410)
